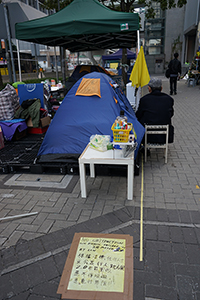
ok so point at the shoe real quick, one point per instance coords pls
(175, 93)
(171, 93)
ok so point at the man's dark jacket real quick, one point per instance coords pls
(156, 108)
(175, 66)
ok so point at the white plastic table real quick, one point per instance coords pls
(110, 157)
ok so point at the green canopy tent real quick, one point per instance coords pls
(83, 25)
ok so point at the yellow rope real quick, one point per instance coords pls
(141, 213)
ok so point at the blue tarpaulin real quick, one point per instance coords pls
(118, 55)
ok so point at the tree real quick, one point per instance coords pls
(55, 4)
(122, 5)
(125, 6)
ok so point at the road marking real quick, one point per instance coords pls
(110, 230)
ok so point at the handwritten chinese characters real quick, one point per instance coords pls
(99, 265)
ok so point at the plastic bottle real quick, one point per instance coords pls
(122, 116)
(121, 121)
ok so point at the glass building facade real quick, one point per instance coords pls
(155, 32)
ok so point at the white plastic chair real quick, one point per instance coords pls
(156, 130)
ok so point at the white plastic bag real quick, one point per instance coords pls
(99, 142)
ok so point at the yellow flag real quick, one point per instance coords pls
(140, 74)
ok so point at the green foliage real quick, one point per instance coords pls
(176, 46)
(122, 5)
(164, 4)
(53, 4)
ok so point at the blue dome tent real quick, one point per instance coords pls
(81, 116)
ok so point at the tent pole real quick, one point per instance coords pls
(138, 95)
(36, 60)
(77, 58)
(19, 63)
(138, 40)
(9, 40)
(56, 65)
(63, 65)
(8, 63)
(124, 63)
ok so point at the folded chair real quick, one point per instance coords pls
(156, 130)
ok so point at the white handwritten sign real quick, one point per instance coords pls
(99, 265)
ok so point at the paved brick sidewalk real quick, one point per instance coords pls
(171, 266)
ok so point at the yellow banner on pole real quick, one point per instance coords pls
(140, 74)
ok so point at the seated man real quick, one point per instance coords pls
(156, 108)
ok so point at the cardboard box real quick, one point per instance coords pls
(44, 125)
(19, 134)
(117, 267)
(43, 122)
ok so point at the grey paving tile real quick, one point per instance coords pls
(185, 216)
(83, 218)
(189, 235)
(167, 275)
(150, 214)
(5, 280)
(46, 226)
(35, 247)
(147, 277)
(20, 281)
(151, 232)
(30, 235)
(34, 274)
(162, 215)
(158, 292)
(195, 216)
(123, 215)
(22, 296)
(193, 254)
(176, 234)
(47, 289)
(138, 290)
(49, 268)
(173, 257)
(60, 260)
(23, 250)
(13, 238)
(185, 286)
(163, 233)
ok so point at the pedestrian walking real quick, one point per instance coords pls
(175, 70)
